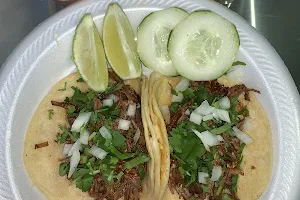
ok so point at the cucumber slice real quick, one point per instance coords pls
(203, 46)
(152, 39)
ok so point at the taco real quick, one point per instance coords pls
(218, 137)
(81, 144)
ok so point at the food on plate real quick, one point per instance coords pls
(95, 142)
(88, 54)
(218, 137)
(203, 46)
(109, 134)
(153, 33)
(119, 44)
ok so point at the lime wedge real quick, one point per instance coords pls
(89, 56)
(119, 44)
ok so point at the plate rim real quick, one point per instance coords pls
(8, 72)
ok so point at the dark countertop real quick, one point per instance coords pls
(277, 20)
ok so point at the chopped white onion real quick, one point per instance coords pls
(84, 137)
(202, 176)
(242, 136)
(236, 75)
(177, 98)
(224, 103)
(136, 136)
(220, 138)
(113, 97)
(124, 124)
(98, 152)
(204, 108)
(208, 117)
(75, 147)
(196, 118)
(216, 173)
(182, 85)
(131, 110)
(247, 124)
(74, 161)
(108, 102)
(187, 112)
(105, 132)
(208, 139)
(66, 149)
(165, 111)
(222, 115)
(80, 121)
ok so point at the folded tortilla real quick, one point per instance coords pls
(259, 153)
(42, 164)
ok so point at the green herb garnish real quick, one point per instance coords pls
(238, 63)
(79, 80)
(64, 88)
(50, 113)
(63, 169)
(136, 161)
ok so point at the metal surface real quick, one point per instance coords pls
(276, 20)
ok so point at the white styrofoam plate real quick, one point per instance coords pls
(39, 62)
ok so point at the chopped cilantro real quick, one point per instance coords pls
(234, 182)
(50, 113)
(113, 88)
(79, 80)
(63, 169)
(142, 172)
(117, 138)
(84, 182)
(71, 110)
(238, 63)
(174, 92)
(221, 129)
(205, 188)
(142, 158)
(188, 94)
(64, 88)
(119, 176)
(120, 155)
(174, 107)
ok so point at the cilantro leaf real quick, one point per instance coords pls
(120, 155)
(205, 188)
(84, 183)
(79, 80)
(71, 110)
(113, 88)
(188, 94)
(50, 113)
(174, 92)
(174, 107)
(117, 138)
(136, 161)
(64, 88)
(201, 95)
(238, 63)
(63, 168)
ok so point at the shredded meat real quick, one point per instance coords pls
(129, 187)
(130, 184)
(176, 184)
(213, 87)
(71, 120)
(179, 115)
(41, 145)
(97, 104)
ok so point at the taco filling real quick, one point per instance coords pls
(105, 151)
(205, 130)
